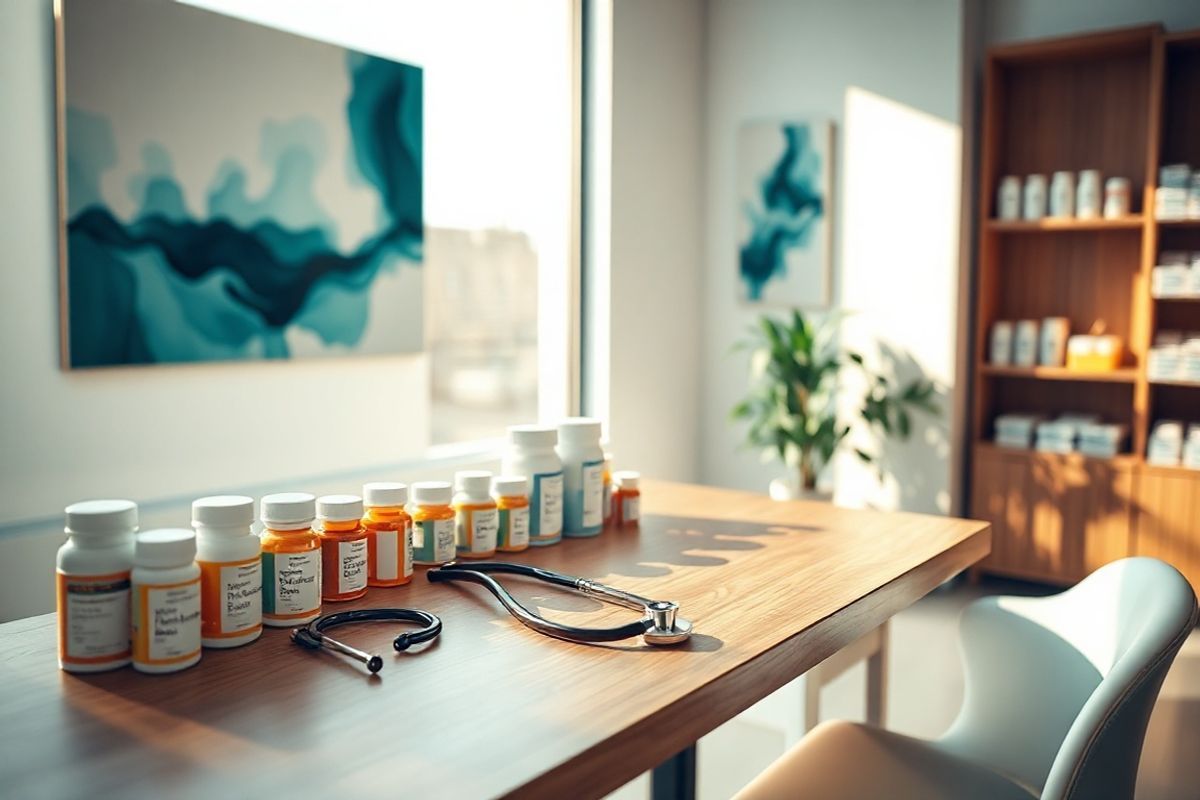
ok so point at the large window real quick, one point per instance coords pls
(500, 209)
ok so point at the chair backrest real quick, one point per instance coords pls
(1059, 689)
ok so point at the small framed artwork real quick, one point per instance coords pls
(784, 177)
(228, 191)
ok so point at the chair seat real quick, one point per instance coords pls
(848, 761)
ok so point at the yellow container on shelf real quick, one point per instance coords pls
(1094, 353)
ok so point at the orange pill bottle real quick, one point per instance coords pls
(433, 523)
(512, 501)
(477, 519)
(291, 560)
(343, 547)
(627, 499)
(389, 534)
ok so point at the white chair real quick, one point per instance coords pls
(1059, 692)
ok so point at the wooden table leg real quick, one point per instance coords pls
(675, 778)
(877, 664)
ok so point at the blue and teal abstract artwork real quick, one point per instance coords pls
(234, 191)
(783, 220)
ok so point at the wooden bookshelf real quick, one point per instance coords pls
(1122, 102)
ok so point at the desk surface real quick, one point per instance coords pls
(492, 708)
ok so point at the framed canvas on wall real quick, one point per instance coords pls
(229, 191)
(784, 177)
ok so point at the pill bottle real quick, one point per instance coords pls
(227, 552)
(583, 476)
(531, 453)
(627, 499)
(476, 519)
(343, 547)
(606, 504)
(291, 560)
(92, 585)
(509, 492)
(389, 534)
(433, 523)
(166, 601)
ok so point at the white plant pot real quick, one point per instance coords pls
(790, 489)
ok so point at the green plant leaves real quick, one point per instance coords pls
(790, 409)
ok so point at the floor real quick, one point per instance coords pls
(924, 690)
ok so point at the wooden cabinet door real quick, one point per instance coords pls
(1054, 518)
(1168, 519)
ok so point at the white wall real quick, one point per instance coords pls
(651, 280)
(887, 73)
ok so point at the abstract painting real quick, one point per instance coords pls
(230, 191)
(783, 220)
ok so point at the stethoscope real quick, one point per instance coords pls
(659, 625)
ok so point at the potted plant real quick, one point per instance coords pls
(792, 405)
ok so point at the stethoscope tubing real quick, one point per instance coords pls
(476, 573)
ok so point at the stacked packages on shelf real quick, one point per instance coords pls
(1016, 430)
(1169, 447)
(1102, 439)
(1059, 435)
(1178, 194)
(1174, 356)
(1177, 274)
(1067, 433)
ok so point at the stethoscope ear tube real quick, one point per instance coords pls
(313, 637)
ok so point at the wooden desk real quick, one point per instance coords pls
(492, 708)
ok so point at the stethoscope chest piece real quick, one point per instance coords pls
(665, 626)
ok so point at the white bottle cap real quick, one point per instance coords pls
(166, 547)
(579, 429)
(384, 493)
(339, 507)
(473, 481)
(509, 485)
(102, 517)
(288, 508)
(627, 478)
(431, 493)
(533, 435)
(223, 511)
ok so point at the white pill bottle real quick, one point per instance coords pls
(531, 453)
(92, 585)
(230, 561)
(166, 601)
(583, 476)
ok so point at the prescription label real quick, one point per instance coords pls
(291, 584)
(166, 622)
(477, 529)
(514, 528)
(593, 495)
(547, 503)
(93, 615)
(631, 509)
(387, 554)
(352, 566)
(241, 596)
(433, 541)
